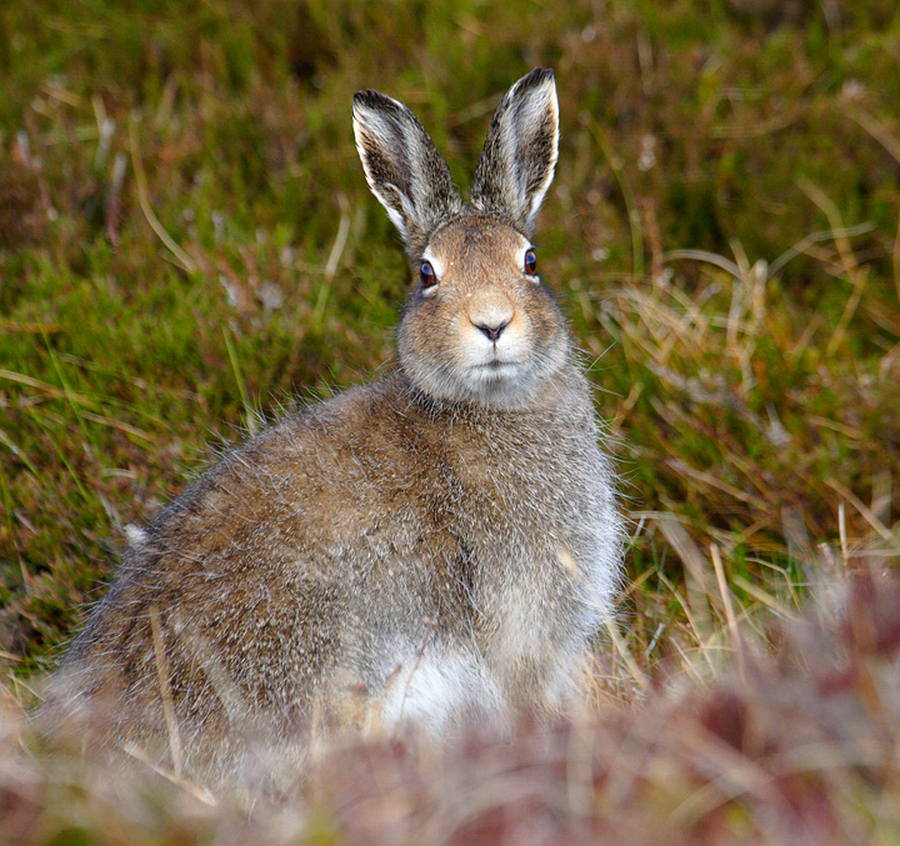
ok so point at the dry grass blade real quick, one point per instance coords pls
(162, 670)
(729, 608)
(183, 259)
(622, 650)
(120, 425)
(765, 598)
(695, 565)
(817, 237)
(46, 387)
(705, 256)
(863, 509)
(858, 278)
(196, 790)
(79, 400)
(878, 130)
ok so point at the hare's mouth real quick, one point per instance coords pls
(496, 369)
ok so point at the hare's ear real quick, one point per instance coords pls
(516, 166)
(403, 168)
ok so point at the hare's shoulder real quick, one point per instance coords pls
(304, 477)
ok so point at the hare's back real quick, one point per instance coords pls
(285, 499)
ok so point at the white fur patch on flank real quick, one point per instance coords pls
(436, 691)
(135, 535)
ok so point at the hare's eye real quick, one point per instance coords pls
(427, 276)
(530, 262)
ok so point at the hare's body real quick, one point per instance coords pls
(392, 567)
(435, 546)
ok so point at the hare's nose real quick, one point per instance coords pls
(492, 332)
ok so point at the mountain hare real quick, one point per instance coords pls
(435, 547)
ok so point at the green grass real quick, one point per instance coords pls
(186, 236)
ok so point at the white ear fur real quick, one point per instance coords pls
(403, 167)
(521, 149)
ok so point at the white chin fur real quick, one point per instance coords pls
(495, 375)
(508, 385)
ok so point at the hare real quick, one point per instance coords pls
(434, 547)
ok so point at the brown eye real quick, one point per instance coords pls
(427, 276)
(530, 262)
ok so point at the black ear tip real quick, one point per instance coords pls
(376, 102)
(536, 77)
(368, 98)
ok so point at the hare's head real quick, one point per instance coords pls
(478, 325)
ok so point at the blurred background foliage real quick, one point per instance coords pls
(186, 237)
